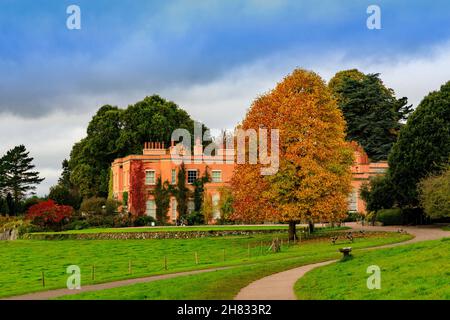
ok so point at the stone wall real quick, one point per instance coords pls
(9, 234)
(177, 235)
(146, 235)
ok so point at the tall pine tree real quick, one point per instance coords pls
(371, 110)
(18, 177)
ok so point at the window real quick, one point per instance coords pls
(216, 176)
(353, 201)
(174, 176)
(174, 209)
(151, 208)
(149, 177)
(192, 176)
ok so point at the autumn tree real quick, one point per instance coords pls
(313, 180)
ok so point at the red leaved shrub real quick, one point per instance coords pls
(49, 214)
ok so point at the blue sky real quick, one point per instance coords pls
(211, 57)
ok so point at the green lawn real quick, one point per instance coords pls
(225, 284)
(417, 271)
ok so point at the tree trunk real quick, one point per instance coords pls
(311, 226)
(292, 230)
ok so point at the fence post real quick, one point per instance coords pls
(165, 262)
(93, 272)
(196, 257)
(224, 254)
(43, 278)
(261, 247)
(129, 267)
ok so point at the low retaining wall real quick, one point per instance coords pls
(9, 234)
(147, 235)
(167, 235)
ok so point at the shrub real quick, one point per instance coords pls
(9, 223)
(93, 206)
(78, 225)
(125, 198)
(378, 193)
(225, 204)
(142, 221)
(353, 216)
(49, 215)
(28, 203)
(65, 196)
(195, 218)
(121, 221)
(111, 206)
(390, 217)
(434, 194)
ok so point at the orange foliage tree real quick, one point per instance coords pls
(314, 177)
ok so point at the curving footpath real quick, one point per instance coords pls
(280, 286)
(51, 294)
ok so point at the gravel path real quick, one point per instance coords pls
(280, 286)
(45, 295)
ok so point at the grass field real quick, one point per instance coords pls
(225, 284)
(23, 261)
(416, 271)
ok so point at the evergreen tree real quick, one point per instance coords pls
(372, 112)
(162, 199)
(114, 132)
(199, 189)
(4, 210)
(17, 176)
(10, 204)
(182, 192)
(65, 193)
(64, 179)
(423, 146)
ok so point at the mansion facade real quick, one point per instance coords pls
(158, 161)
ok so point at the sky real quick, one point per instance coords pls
(211, 57)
